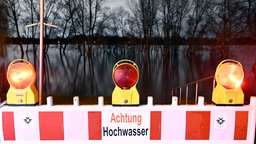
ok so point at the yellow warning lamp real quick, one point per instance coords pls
(21, 77)
(229, 76)
(125, 76)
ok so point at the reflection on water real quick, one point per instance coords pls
(75, 74)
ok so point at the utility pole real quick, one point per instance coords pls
(41, 55)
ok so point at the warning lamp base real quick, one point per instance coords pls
(125, 97)
(227, 104)
(223, 96)
(22, 97)
(125, 105)
(23, 104)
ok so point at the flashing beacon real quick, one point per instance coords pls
(21, 77)
(229, 77)
(125, 75)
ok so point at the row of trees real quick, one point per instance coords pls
(224, 21)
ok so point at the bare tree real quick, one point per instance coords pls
(167, 16)
(119, 21)
(51, 16)
(94, 7)
(3, 27)
(182, 9)
(31, 16)
(101, 24)
(172, 15)
(13, 12)
(89, 12)
(197, 22)
(67, 22)
(249, 11)
(144, 14)
(226, 23)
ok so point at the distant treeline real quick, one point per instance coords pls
(97, 40)
(115, 40)
(146, 22)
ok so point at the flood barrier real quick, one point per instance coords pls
(179, 124)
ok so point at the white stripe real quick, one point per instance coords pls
(173, 125)
(26, 125)
(222, 125)
(75, 125)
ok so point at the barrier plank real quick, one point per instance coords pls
(51, 125)
(241, 125)
(8, 125)
(155, 125)
(94, 124)
(197, 125)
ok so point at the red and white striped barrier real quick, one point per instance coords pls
(150, 124)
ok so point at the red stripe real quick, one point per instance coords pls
(197, 125)
(94, 125)
(51, 125)
(241, 125)
(155, 125)
(8, 125)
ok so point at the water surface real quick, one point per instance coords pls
(75, 73)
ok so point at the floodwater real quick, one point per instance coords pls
(75, 73)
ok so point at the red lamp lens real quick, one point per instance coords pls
(20, 75)
(125, 76)
(230, 75)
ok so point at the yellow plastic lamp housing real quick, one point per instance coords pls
(21, 77)
(229, 77)
(125, 75)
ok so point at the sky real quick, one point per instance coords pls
(115, 3)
